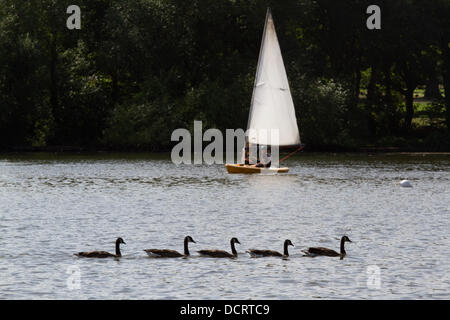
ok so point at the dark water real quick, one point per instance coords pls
(52, 206)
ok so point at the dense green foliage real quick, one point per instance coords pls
(138, 69)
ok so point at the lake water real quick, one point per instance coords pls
(53, 206)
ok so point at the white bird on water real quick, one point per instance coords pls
(405, 184)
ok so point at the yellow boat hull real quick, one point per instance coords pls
(242, 168)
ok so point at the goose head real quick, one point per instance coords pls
(288, 242)
(119, 241)
(346, 239)
(235, 240)
(189, 239)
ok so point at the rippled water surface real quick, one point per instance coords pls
(53, 206)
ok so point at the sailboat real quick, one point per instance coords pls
(272, 109)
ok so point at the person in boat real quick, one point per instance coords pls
(246, 155)
(250, 154)
(265, 157)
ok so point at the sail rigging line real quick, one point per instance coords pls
(292, 153)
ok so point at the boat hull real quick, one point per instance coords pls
(241, 168)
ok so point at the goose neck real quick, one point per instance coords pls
(286, 253)
(118, 253)
(186, 248)
(233, 249)
(342, 246)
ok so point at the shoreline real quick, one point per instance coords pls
(83, 150)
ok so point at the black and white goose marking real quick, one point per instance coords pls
(167, 253)
(221, 253)
(271, 253)
(320, 251)
(103, 254)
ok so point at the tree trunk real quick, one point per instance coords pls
(388, 83)
(446, 76)
(371, 89)
(409, 97)
(53, 79)
(115, 87)
(391, 110)
(356, 87)
(432, 88)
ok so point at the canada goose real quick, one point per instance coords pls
(221, 253)
(270, 253)
(103, 254)
(166, 253)
(319, 251)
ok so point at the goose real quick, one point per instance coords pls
(103, 254)
(221, 253)
(319, 251)
(167, 253)
(270, 253)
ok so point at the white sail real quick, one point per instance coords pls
(272, 107)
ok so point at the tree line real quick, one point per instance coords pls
(138, 69)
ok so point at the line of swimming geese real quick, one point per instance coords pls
(168, 253)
